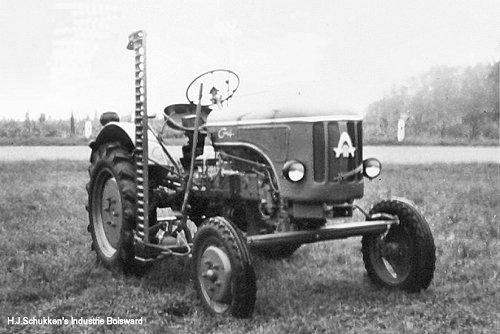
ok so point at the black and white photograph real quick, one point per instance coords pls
(249, 166)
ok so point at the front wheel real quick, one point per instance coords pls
(223, 273)
(405, 256)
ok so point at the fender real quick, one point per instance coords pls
(124, 132)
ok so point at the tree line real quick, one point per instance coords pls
(45, 131)
(446, 104)
(71, 131)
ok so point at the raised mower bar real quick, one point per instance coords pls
(337, 231)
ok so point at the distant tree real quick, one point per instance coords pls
(480, 92)
(27, 122)
(42, 118)
(52, 130)
(11, 129)
(444, 102)
(72, 125)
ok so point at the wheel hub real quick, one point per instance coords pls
(111, 212)
(392, 250)
(393, 257)
(216, 273)
(107, 213)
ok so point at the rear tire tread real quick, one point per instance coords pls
(121, 162)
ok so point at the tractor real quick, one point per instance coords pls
(270, 181)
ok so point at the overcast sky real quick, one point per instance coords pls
(64, 56)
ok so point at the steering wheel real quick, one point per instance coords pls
(218, 86)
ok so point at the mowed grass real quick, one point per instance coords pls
(48, 269)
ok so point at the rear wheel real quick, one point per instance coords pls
(223, 273)
(405, 256)
(111, 206)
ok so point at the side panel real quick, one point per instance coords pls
(273, 140)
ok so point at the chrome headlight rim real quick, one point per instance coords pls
(372, 168)
(294, 171)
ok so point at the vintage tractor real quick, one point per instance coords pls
(276, 179)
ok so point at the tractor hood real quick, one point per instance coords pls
(293, 110)
(296, 129)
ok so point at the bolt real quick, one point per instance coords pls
(210, 274)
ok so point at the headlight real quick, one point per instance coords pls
(294, 171)
(371, 168)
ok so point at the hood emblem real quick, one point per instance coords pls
(344, 148)
(224, 132)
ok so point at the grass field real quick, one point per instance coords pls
(48, 270)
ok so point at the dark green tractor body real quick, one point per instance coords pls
(271, 179)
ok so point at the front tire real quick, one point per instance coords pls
(405, 256)
(111, 206)
(223, 272)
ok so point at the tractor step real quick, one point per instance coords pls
(330, 232)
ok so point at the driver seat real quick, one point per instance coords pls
(182, 117)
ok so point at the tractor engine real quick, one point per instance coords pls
(237, 188)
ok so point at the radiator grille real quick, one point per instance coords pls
(328, 166)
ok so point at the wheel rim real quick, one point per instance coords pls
(214, 275)
(107, 209)
(391, 256)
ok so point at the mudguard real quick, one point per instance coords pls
(124, 132)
